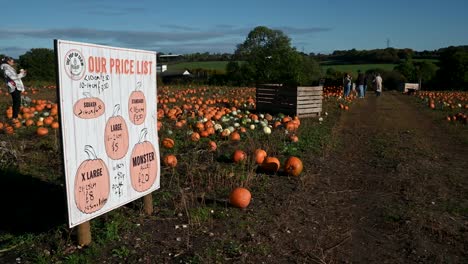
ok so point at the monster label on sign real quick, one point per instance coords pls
(143, 164)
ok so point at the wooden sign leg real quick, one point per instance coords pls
(148, 204)
(84, 234)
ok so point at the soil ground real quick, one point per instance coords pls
(392, 189)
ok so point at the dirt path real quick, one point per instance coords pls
(390, 192)
(393, 191)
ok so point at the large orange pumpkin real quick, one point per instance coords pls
(116, 136)
(144, 164)
(293, 166)
(240, 197)
(92, 183)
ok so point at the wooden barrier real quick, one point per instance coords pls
(303, 101)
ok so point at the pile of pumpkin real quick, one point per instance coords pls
(448, 102)
(240, 197)
(41, 114)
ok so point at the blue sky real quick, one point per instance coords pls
(179, 26)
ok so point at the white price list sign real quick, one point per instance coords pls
(108, 105)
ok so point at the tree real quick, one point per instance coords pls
(453, 72)
(40, 64)
(407, 69)
(271, 59)
(425, 71)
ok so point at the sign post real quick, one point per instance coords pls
(108, 105)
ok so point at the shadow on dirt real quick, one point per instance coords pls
(30, 205)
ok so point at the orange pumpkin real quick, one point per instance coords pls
(239, 156)
(293, 166)
(48, 120)
(240, 197)
(144, 164)
(212, 146)
(92, 183)
(29, 122)
(260, 156)
(137, 106)
(294, 138)
(195, 137)
(168, 143)
(42, 131)
(234, 136)
(54, 125)
(270, 164)
(9, 130)
(170, 160)
(116, 137)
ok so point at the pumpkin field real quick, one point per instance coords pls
(374, 180)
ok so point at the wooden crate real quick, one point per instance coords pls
(303, 101)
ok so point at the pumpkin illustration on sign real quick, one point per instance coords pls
(137, 106)
(92, 183)
(89, 107)
(116, 136)
(143, 164)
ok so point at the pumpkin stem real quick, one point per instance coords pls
(143, 134)
(90, 151)
(116, 110)
(87, 95)
(138, 86)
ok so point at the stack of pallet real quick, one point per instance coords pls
(301, 101)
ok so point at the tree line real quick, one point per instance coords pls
(267, 56)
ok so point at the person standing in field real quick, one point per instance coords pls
(347, 84)
(365, 84)
(378, 84)
(14, 84)
(361, 81)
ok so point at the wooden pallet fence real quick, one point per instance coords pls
(303, 101)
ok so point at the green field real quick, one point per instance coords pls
(209, 65)
(220, 66)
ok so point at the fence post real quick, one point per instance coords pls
(84, 234)
(148, 204)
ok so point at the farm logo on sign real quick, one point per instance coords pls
(74, 64)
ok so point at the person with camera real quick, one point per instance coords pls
(14, 84)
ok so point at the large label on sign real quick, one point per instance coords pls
(107, 98)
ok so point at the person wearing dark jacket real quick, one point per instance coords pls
(14, 84)
(361, 82)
